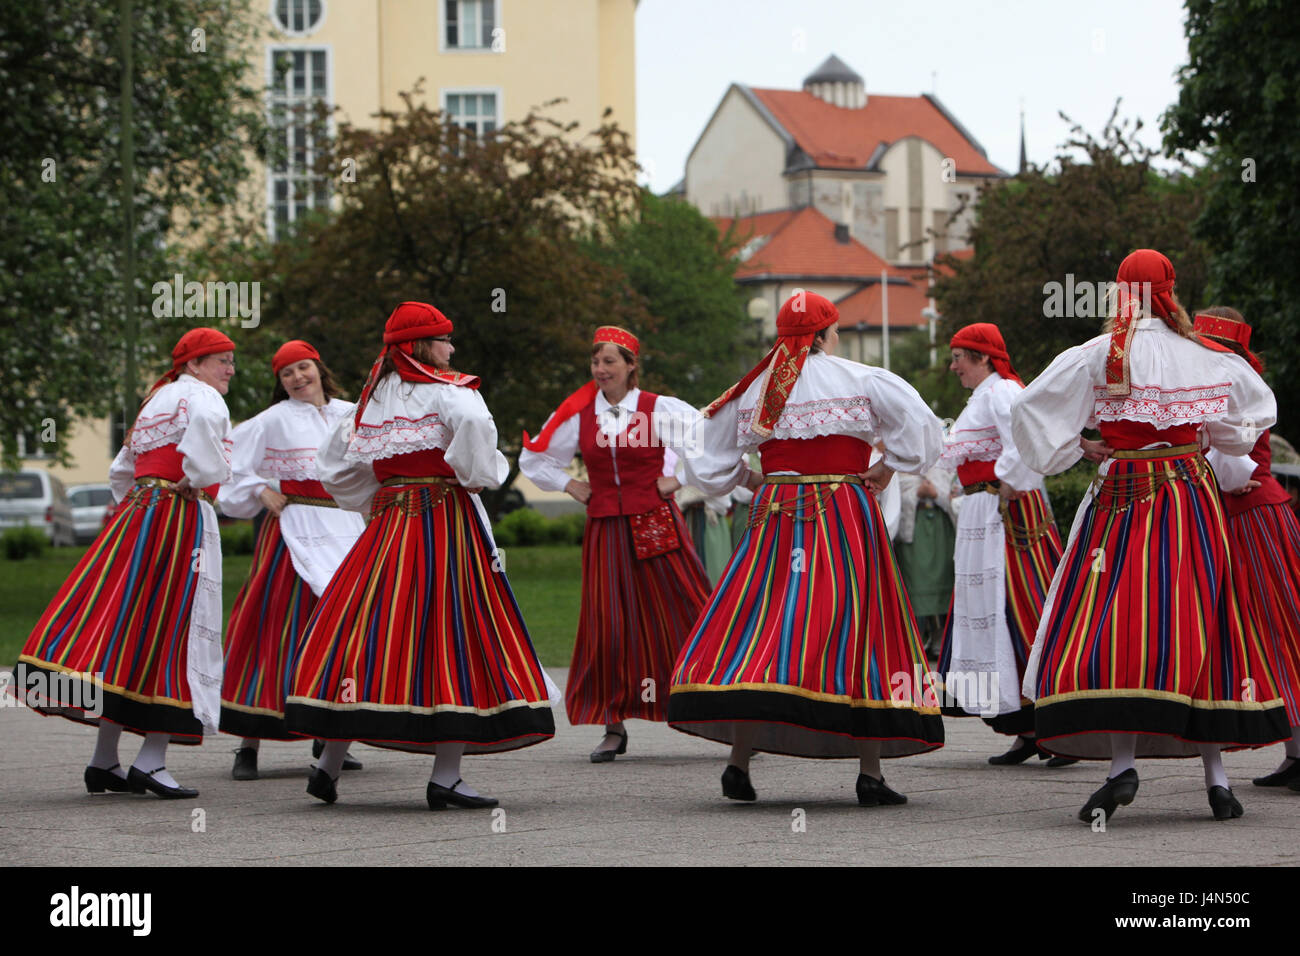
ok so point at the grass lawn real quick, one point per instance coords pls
(547, 582)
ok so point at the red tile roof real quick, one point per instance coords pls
(800, 243)
(864, 307)
(839, 137)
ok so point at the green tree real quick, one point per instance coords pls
(197, 123)
(1239, 104)
(1074, 224)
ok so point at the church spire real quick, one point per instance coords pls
(1024, 162)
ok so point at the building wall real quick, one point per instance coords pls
(736, 165)
(88, 445)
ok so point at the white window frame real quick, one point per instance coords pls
(474, 91)
(285, 31)
(272, 51)
(442, 29)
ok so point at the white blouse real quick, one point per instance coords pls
(832, 396)
(982, 432)
(1175, 381)
(186, 413)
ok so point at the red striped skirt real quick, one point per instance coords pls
(809, 636)
(417, 639)
(270, 612)
(1145, 634)
(1266, 573)
(1033, 550)
(117, 632)
(635, 616)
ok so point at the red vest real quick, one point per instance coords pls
(823, 455)
(165, 463)
(622, 470)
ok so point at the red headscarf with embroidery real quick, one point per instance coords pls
(295, 350)
(579, 399)
(1144, 275)
(802, 316)
(985, 337)
(1219, 328)
(410, 322)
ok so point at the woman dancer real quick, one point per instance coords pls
(1007, 550)
(1142, 649)
(643, 585)
(299, 547)
(808, 646)
(136, 627)
(417, 643)
(1265, 546)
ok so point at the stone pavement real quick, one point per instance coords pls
(660, 805)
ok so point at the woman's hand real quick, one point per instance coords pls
(185, 489)
(667, 485)
(1095, 451)
(1245, 489)
(927, 489)
(1007, 493)
(878, 477)
(579, 491)
(272, 500)
(754, 480)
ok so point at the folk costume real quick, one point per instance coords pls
(132, 640)
(808, 646)
(643, 585)
(1265, 546)
(1005, 555)
(417, 643)
(1142, 649)
(295, 556)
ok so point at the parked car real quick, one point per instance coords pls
(38, 499)
(89, 507)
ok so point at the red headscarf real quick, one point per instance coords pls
(194, 344)
(578, 400)
(409, 322)
(1219, 328)
(802, 316)
(985, 337)
(290, 352)
(1143, 273)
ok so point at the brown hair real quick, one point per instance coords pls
(327, 384)
(627, 357)
(1182, 321)
(421, 350)
(819, 338)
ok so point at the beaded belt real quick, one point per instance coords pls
(314, 502)
(816, 498)
(425, 496)
(166, 485)
(1126, 490)
(1022, 536)
(990, 486)
(1176, 451)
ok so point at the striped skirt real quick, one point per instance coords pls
(1031, 550)
(270, 612)
(113, 643)
(1266, 574)
(636, 614)
(1143, 632)
(417, 639)
(809, 636)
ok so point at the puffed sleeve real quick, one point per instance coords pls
(716, 464)
(1010, 467)
(239, 497)
(350, 483)
(1048, 416)
(472, 453)
(913, 436)
(1231, 471)
(121, 474)
(676, 424)
(545, 469)
(1251, 409)
(206, 442)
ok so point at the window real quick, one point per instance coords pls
(474, 110)
(297, 16)
(30, 447)
(468, 24)
(299, 81)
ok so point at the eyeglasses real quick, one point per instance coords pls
(442, 338)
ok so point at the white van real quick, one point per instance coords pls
(36, 498)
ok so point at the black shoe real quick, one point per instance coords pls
(736, 785)
(141, 781)
(439, 796)
(605, 756)
(1055, 762)
(1281, 778)
(99, 780)
(320, 786)
(349, 762)
(245, 764)
(1116, 792)
(1224, 804)
(1018, 754)
(874, 793)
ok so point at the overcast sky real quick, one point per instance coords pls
(983, 58)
